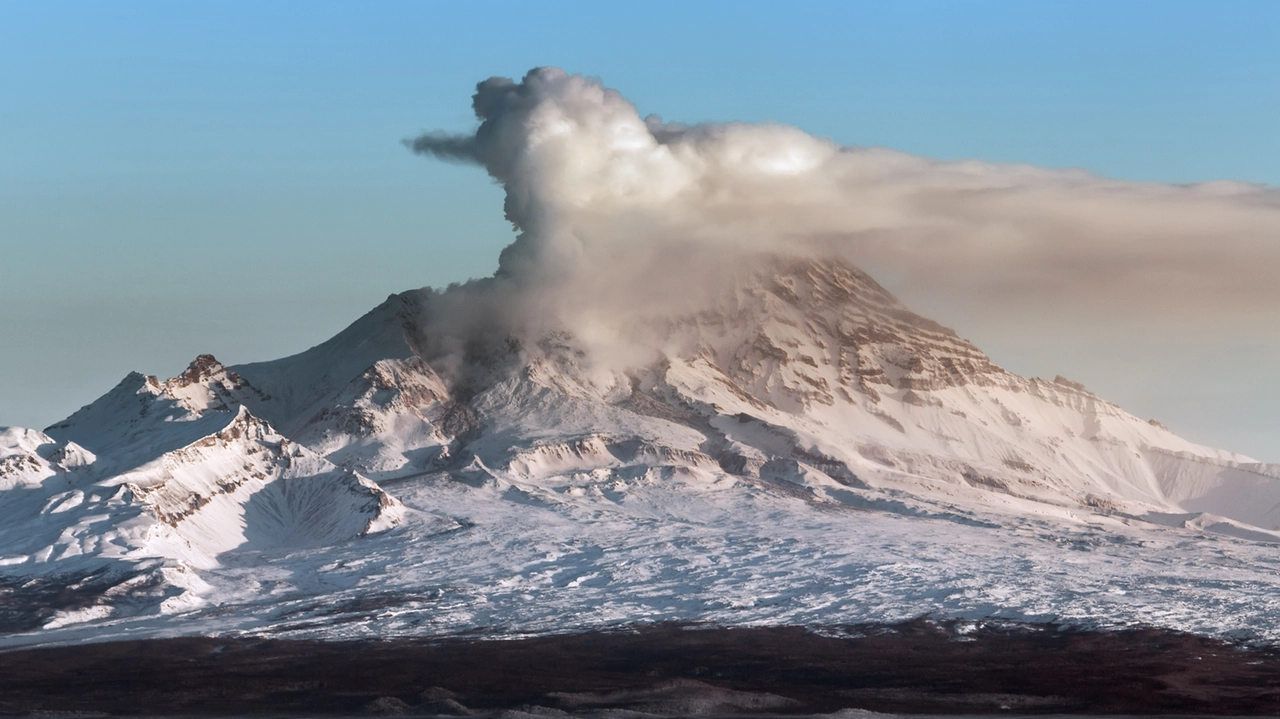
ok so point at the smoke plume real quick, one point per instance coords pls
(622, 217)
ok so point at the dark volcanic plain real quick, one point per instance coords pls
(919, 666)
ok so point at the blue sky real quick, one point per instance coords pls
(178, 178)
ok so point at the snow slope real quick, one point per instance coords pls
(181, 475)
(802, 449)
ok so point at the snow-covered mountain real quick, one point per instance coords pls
(803, 448)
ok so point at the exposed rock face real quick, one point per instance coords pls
(822, 332)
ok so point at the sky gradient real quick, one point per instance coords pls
(184, 178)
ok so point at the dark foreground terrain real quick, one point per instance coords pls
(915, 667)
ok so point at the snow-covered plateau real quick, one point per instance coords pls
(803, 450)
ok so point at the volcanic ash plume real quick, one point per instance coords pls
(623, 220)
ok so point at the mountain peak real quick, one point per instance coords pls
(798, 393)
(800, 332)
(202, 368)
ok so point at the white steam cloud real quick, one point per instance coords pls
(623, 217)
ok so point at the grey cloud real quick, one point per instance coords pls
(445, 146)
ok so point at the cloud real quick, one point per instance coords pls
(445, 146)
(622, 217)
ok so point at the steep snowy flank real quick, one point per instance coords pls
(246, 487)
(143, 417)
(363, 399)
(293, 390)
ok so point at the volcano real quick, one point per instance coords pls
(800, 449)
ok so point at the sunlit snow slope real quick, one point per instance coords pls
(803, 449)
